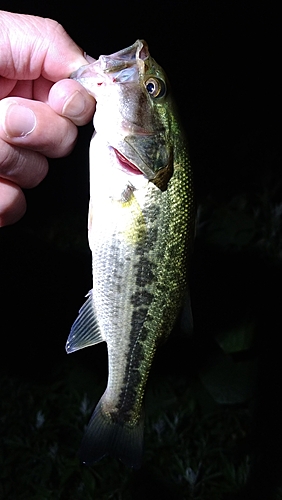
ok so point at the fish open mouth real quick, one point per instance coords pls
(126, 165)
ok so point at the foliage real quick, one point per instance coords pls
(188, 451)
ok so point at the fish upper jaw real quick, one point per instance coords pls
(97, 81)
(121, 67)
(136, 54)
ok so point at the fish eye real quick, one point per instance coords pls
(155, 87)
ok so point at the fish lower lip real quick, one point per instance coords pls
(126, 164)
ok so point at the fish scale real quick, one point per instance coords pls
(141, 228)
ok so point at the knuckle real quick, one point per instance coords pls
(9, 159)
(23, 167)
(55, 27)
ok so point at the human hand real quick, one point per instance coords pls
(39, 107)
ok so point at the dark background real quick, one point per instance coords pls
(223, 60)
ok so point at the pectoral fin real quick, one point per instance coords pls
(85, 330)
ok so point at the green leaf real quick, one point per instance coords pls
(239, 338)
(229, 382)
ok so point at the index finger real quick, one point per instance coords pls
(36, 46)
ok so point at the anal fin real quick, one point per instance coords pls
(85, 330)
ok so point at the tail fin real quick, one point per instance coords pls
(103, 437)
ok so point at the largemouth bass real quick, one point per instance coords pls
(141, 228)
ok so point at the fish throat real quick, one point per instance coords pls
(127, 165)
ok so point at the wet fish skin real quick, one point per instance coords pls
(141, 228)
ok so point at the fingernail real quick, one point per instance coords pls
(89, 58)
(74, 105)
(19, 121)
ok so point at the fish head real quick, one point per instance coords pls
(134, 109)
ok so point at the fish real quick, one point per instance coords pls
(140, 231)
